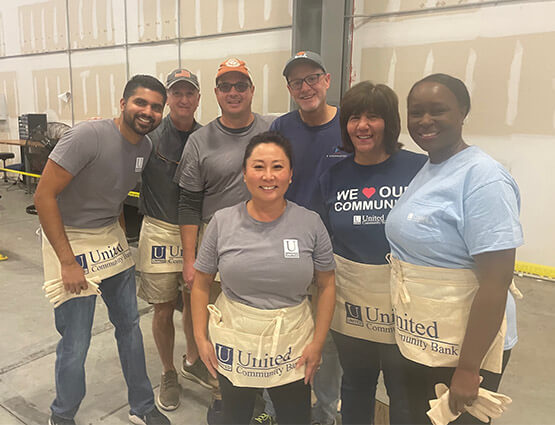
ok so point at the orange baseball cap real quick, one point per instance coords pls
(233, 65)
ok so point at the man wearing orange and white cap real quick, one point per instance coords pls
(210, 171)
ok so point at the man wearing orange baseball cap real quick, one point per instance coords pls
(210, 171)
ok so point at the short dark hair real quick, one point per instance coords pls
(455, 86)
(146, 81)
(269, 137)
(373, 98)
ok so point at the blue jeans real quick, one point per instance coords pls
(362, 361)
(327, 384)
(74, 320)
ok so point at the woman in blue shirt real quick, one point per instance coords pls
(453, 236)
(354, 198)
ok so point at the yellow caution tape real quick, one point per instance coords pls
(23, 173)
(532, 269)
(133, 194)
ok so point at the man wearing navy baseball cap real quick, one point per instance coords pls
(315, 136)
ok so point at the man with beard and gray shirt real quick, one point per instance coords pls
(210, 171)
(79, 200)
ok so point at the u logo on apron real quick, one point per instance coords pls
(102, 252)
(363, 301)
(432, 306)
(259, 348)
(159, 247)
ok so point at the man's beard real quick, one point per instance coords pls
(134, 124)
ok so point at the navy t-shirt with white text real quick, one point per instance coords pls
(354, 201)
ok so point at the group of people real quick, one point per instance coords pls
(311, 251)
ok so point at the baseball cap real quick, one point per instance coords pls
(233, 65)
(182, 74)
(304, 55)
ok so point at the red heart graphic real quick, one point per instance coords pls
(368, 191)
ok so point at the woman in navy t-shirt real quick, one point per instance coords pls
(354, 199)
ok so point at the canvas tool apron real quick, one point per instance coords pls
(259, 348)
(102, 252)
(159, 247)
(363, 301)
(432, 306)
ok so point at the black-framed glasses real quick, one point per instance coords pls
(240, 87)
(311, 80)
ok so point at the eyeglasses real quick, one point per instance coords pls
(240, 87)
(311, 80)
(163, 158)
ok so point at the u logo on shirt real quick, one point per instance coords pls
(291, 248)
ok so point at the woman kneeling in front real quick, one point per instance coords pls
(260, 332)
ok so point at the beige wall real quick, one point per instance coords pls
(234, 16)
(503, 54)
(99, 61)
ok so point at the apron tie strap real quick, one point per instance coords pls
(275, 323)
(515, 291)
(215, 314)
(400, 290)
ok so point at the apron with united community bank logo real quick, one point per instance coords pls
(432, 306)
(259, 348)
(102, 252)
(159, 247)
(363, 301)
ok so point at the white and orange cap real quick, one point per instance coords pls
(233, 65)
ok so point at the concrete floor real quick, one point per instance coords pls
(29, 338)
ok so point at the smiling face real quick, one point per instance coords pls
(366, 132)
(183, 99)
(267, 173)
(235, 104)
(435, 120)
(142, 111)
(309, 98)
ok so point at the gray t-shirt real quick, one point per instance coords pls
(105, 167)
(265, 265)
(159, 193)
(212, 161)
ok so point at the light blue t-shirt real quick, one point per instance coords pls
(466, 205)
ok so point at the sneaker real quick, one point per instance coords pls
(56, 420)
(154, 417)
(263, 419)
(198, 373)
(215, 414)
(168, 397)
(319, 423)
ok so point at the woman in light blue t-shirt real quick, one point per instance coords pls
(458, 217)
